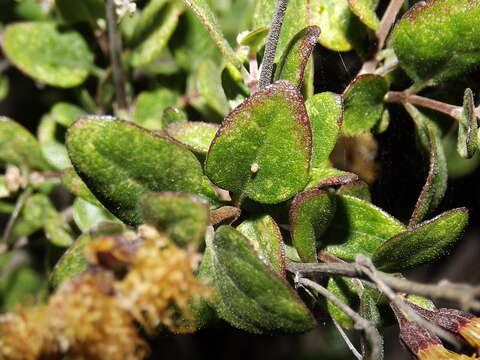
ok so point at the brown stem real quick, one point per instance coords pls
(401, 97)
(115, 47)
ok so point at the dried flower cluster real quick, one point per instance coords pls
(93, 316)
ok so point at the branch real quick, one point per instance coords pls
(22, 199)
(271, 44)
(115, 47)
(402, 97)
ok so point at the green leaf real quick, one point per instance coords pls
(422, 243)
(325, 111)
(251, 291)
(87, 216)
(363, 99)
(120, 162)
(4, 192)
(194, 135)
(20, 287)
(358, 189)
(310, 215)
(18, 146)
(153, 44)
(209, 85)
(209, 21)
(56, 155)
(56, 58)
(328, 176)
(457, 166)
(358, 227)
(438, 40)
(173, 115)
(150, 105)
(183, 218)
(147, 20)
(76, 186)
(467, 127)
(4, 86)
(295, 57)
(74, 11)
(73, 260)
(255, 38)
(65, 114)
(263, 147)
(266, 238)
(365, 10)
(428, 138)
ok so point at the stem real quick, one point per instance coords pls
(271, 43)
(22, 199)
(115, 47)
(401, 97)
(347, 340)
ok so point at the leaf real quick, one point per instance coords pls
(255, 38)
(363, 99)
(172, 115)
(436, 184)
(358, 189)
(263, 147)
(266, 238)
(467, 127)
(365, 10)
(65, 114)
(74, 11)
(76, 186)
(194, 135)
(56, 155)
(358, 227)
(328, 176)
(153, 44)
(73, 260)
(183, 218)
(20, 286)
(4, 86)
(209, 21)
(150, 105)
(295, 57)
(56, 58)
(310, 215)
(325, 111)
(209, 85)
(251, 291)
(438, 40)
(18, 146)
(422, 243)
(120, 162)
(147, 20)
(87, 216)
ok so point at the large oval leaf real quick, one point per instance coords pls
(310, 215)
(194, 135)
(251, 291)
(44, 53)
(358, 227)
(422, 243)
(438, 39)
(263, 147)
(120, 162)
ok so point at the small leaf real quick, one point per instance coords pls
(365, 10)
(73, 260)
(194, 135)
(363, 100)
(153, 44)
(467, 127)
(183, 218)
(263, 147)
(328, 176)
(4, 86)
(44, 53)
(120, 162)
(325, 111)
(438, 40)
(76, 186)
(358, 227)
(422, 243)
(209, 21)
(65, 114)
(436, 184)
(310, 215)
(73, 11)
(18, 146)
(56, 155)
(295, 57)
(150, 105)
(209, 85)
(87, 216)
(251, 291)
(255, 38)
(172, 115)
(358, 189)
(266, 238)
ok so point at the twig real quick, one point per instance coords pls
(359, 322)
(402, 97)
(13, 218)
(462, 294)
(351, 347)
(271, 43)
(115, 47)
